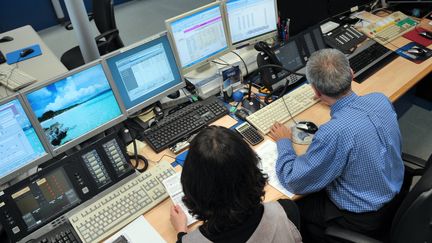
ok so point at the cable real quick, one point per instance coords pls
(10, 74)
(285, 86)
(223, 64)
(244, 63)
(137, 157)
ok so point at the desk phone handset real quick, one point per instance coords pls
(266, 56)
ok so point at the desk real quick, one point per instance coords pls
(393, 80)
(41, 67)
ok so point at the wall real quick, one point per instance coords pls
(37, 13)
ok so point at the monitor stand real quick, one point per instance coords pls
(203, 72)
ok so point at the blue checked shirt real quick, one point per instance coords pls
(356, 156)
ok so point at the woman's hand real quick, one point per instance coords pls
(178, 219)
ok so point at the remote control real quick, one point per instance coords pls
(249, 133)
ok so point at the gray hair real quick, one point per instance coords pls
(328, 70)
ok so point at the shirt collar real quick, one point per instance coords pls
(342, 102)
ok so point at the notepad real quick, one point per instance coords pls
(268, 154)
(175, 191)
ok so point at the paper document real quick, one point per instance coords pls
(175, 191)
(138, 231)
(268, 154)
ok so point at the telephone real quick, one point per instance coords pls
(269, 76)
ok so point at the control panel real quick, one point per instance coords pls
(62, 185)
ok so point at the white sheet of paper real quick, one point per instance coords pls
(268, 154)
(175, 191)
(138, 231)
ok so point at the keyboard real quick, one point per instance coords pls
(390, 27)
(62, 234)
(181, 124)
(369, 57)
(120, 207)
(297, 101)
(13, 78)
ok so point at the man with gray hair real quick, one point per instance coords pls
(353, 168)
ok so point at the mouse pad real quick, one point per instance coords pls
(414, 58)
(414, 36)
(13, 57)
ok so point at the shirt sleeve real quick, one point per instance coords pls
(180, 237)
(312, 171)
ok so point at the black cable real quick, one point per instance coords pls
(244, 63)
(137, 157)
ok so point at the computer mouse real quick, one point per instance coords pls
(426, 34)
(417, 51)
(307, 126)
(26, 52)
(6, 39)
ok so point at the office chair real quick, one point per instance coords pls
(109, 39)
(413, 219)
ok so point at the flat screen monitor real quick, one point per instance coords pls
(74, 107)
(145, 72)
(251, 20)
(199, 36)
(289, 56)
(21, 144)
(45, 199)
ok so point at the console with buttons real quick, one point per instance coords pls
(39, 200)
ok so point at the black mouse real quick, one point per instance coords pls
(426, 34)
(417, 51)
(307, 126)
(6, 39)
(26, 52)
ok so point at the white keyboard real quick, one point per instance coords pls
(120, 207)
(13, 78)
(297, 101)
(389, 27)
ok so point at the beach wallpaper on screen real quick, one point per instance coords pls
(74, 106)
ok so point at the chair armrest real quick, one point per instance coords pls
(68, 24)
(414, 165)
(348, 235)
(108, 35)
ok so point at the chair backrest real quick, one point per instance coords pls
(413, 220)
(103, 12)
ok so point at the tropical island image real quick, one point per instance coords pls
(71, 107)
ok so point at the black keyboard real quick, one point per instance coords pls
(369, 59)
(183, 123)
(62, 234)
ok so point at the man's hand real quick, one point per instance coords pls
(178, 219)
(279, 131)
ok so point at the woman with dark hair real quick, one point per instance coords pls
(224, 188)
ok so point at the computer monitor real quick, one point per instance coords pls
(21, 144)
(145, 72)
(75, 106)
(250, 21)
(199, 36)
(44, 199)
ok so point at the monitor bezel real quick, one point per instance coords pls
(134, 109)
(40, 135)
(85, 136)
(207, 60)
(251, 40)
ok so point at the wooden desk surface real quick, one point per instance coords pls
(43, 67)
(393, 80)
